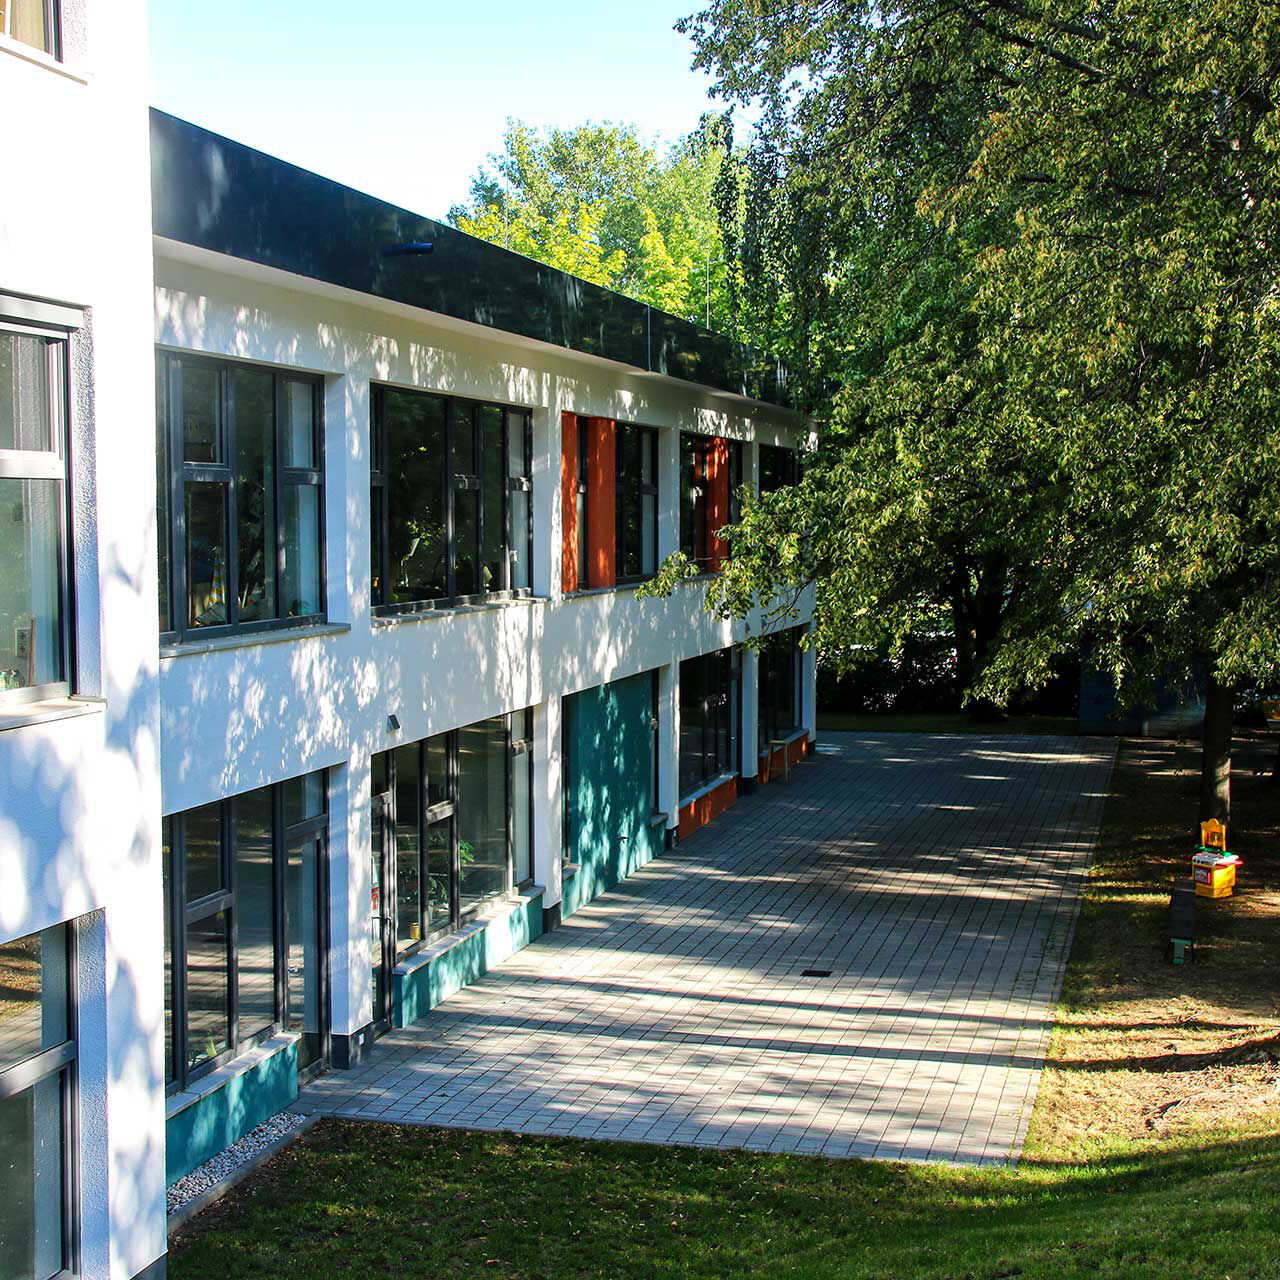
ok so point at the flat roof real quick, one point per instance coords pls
(220, 195)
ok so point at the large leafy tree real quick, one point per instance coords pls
(1057, 321)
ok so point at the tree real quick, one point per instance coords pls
(641, 221)
(1060, 391)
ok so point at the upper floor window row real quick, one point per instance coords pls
(710, 478)
(450, 511)
(33, 22)
(240, 494)
(779, 467)
(34, 604)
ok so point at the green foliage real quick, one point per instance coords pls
(1053, 321)
(600, 202)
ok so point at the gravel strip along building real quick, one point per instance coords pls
(324, 686)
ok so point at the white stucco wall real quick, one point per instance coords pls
(80, 798)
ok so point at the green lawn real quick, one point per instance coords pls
(377, 1200)
(939, 722)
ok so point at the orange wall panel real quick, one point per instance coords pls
(569, 502)
(717, 501)
(602, 502)
(706, 808)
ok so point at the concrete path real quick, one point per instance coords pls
(862, 963)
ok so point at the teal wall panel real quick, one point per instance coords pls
(414, 994)
(212, 1123)
(610, 787)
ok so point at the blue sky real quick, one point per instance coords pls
(405, 98)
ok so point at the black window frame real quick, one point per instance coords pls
(58, 327)
(771, 682)
(178, 473)
(451, 483)
(721, 710)
(626, 489)
(520, 752)
(52, 26)
(695, 533)
(384, 805)
(180, 914)
(60, 1060)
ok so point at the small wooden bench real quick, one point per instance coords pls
(1182, 921)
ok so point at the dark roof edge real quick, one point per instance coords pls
(220, 195)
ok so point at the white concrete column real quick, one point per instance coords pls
(669, 743)
(668, 493)
(347, 511)
(750, 712)
(548, 524)
(809, 688)
(751, 466)
(350, 940)
(548, 799)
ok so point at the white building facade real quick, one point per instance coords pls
(357, 696)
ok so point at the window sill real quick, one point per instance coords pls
(222, 1076)
(585, 592)
(19, 715)
(657, 819)
(496, 910)
(453, 610)
(282, 635)
(707, 788)
(38, 57)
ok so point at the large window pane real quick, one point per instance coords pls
(208, 1006)
(28, 21)
(163, 523)
(466, 533)
(304, 957)
(415, 478)
(439, 874)
(30, 583)
(493, 492)
(26, 410)
(692, 723)
(206, 555)
(437, 752)
(304, 797)
(482, 810)
(33, 995)
(518, 538)
(408, 867)
(301, 595)
(253, 409)
(203, 827)
(32, 1158)
(255, 914)
(166, 880)
(300, 424)
(521, 836)
(201, 413)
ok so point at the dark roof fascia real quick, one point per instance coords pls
(220, 195)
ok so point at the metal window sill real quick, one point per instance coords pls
(657, 819)
(222, 1076)
(707, 787)
(249, 639)
(452, 611)
(39, 58)
(19, 715)
(584, 592)
(497, 910)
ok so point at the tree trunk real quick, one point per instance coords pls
(1215, 760)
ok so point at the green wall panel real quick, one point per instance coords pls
(214, 1122)
(610, 787)
(414, 994)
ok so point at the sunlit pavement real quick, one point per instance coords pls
(936, 878)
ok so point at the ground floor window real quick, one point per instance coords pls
(452, 813)
(245, 944)
(779, 683)
(710, 710)
(37, 1069)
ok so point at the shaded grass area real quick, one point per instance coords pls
(1113, 1183)
(1144, 1049)
(388, 1201)
(940, 722)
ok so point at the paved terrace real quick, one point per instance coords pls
(936, 878)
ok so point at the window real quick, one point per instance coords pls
(779, 684)
(245, 926)
(33, 22)
(455, 810)
(449, 501)
(778, 468)
(240, 487)
(637, 503)
(710, 477)
(34, 608)
(710, 707)
(37, 1067)
(582, 507)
